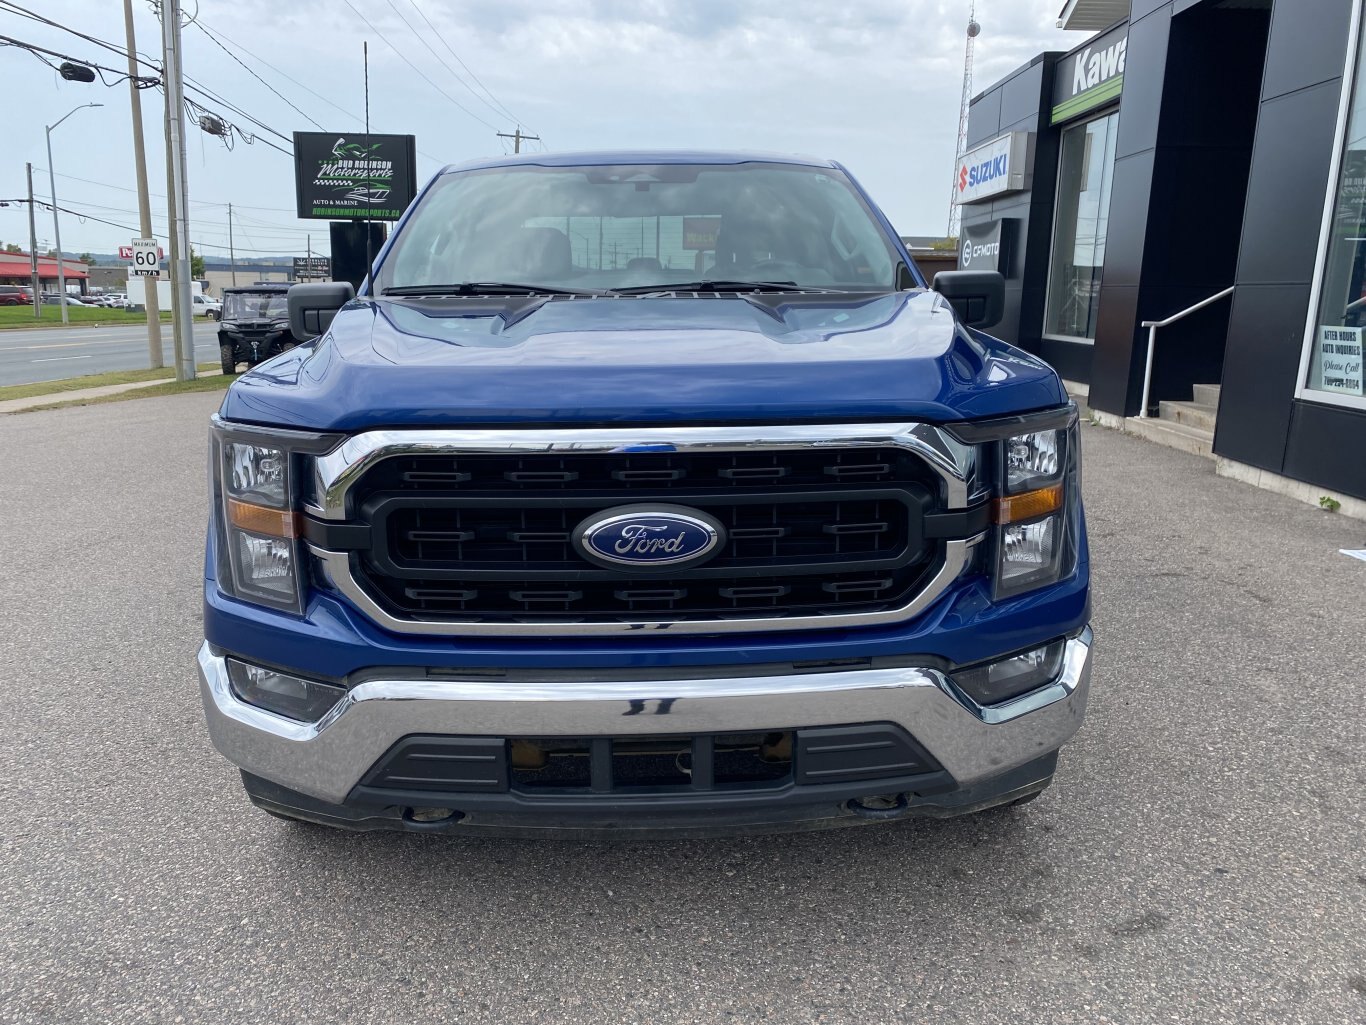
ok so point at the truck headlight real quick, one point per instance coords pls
(1033, 510)
(1037, 503)
(256, 502)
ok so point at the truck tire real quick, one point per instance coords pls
(228, 354)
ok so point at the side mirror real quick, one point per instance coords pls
(313, 305)
(979, 296)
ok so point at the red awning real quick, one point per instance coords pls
(16, 265)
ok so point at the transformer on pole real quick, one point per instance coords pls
(961, 146)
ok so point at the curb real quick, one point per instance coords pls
(20, 405)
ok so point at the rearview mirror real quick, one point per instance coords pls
(979, 296)
(312, 307)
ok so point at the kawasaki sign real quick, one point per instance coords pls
(992, 168)
(1090, 77)
(354, 177)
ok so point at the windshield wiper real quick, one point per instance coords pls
(487, 288)
(721, 285)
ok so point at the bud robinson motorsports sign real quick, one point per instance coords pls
(354, 177)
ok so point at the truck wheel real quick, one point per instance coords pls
(228, 354)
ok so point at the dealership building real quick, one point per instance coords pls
(1200, 164)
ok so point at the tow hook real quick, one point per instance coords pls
(430, 820)
(884, 806)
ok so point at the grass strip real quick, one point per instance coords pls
(219, 382)
(29, 391)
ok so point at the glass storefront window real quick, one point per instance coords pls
(1334, 360)
(1086, 167)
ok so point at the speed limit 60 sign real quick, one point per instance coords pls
(146, 260)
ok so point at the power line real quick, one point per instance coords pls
(192, 84)
(440, 60)
(502, 106)
(24, 12)
(351, 114)
(135, 232)
(158, 195)
(355, 117)
(254, 75)
(42, 54)
(410, 64)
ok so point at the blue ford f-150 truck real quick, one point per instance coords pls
(644, 491)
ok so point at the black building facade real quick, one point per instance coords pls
(1196, 147)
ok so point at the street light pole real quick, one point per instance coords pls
(56, 222)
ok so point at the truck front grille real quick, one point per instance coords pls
(814, 532)
(809, 532)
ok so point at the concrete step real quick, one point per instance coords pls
(1207, 394)
(1184, 437)
(1192, 414)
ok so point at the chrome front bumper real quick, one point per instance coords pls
(328, 758)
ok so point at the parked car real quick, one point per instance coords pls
(54, 299)
(207, 306)
(254, 325)
(751, 529)
(15, 295)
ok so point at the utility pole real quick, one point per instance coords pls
(232, 253)
(151, 300)
(178, 193)
(517, 138)
(33, 250)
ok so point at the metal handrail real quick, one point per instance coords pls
(1153, 325)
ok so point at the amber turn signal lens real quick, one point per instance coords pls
(260, 520)
(1028, 506)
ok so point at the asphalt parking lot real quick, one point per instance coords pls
(1200, 858)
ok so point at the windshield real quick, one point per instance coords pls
(255, 306)
(627, 226)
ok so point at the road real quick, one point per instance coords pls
(51, 353)
(1199, 859)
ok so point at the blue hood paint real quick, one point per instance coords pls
(390, 363)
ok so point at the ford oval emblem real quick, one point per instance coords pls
(649, 536)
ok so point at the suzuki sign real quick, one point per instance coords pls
(993, 168)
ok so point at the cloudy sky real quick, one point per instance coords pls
(874, 83)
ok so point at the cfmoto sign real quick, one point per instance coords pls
(986, 245)
(980, 252)
(993, 168)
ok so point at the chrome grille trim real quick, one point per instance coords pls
(336, 567)
(336, 472)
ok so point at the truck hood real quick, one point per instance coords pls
(684, 359)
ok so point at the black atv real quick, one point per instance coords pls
(254, 325)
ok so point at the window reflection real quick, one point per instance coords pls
(1085, 170)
